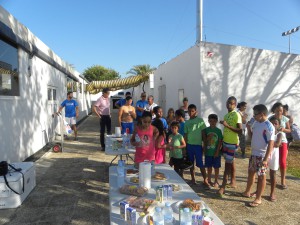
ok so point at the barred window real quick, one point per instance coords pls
(9, 69)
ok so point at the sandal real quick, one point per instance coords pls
(284, 186)
(254, 204)
(272, 199)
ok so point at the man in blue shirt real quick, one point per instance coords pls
(71, 112)
(140, 105)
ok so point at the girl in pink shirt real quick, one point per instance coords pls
(143, 138)
(160, 146)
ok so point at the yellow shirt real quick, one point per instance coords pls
(232, 118)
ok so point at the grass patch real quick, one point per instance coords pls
(293, 165)
(294, 171)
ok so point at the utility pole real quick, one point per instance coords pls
(288, 33)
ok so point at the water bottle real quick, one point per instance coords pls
(168, 214)
(158, 217)
(186, 217)
(121, 168)
(152, 167)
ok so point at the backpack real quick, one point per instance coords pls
(295, 132)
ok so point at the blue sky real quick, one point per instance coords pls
(119, 34)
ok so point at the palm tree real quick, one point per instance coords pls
(143, 70)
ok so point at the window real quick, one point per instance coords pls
(51, 93)
(9, 70)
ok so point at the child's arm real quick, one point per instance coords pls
(204, 140)
(249, 130)
(132, 139)
(158, 141)
(269, 150)
(155, 133)
(237, 129)
(219, 148)
(277, 143)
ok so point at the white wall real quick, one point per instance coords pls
(25, 120)
(253, 75)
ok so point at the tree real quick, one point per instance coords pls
(141, 70)
(101, 73)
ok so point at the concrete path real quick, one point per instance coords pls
(72, 188)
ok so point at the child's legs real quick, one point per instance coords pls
(227, 172)
(209, 165)
(261, 184)
(229, 152)
(216, 175)
(216, 166)
(192, 156)
(251, 174)
(283, 152)
(273, 182)
(209, 172)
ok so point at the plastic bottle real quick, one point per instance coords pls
(152, 167)
(186, 217)
(158, 218)
(121, 168)
(168, 214)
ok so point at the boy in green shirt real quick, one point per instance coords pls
(212, 143)
(193, 136)
(176, 146)
(232, 127)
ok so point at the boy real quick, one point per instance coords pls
(232, 127)
(262, 143)
(157, 110)
(179, 116)
(212, 143)
(193, 136)
(176, 146)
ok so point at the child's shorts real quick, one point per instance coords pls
(274, 160)
(229, 151)
(255, 164)
(195, 152)
(126, 125)
(211, 161)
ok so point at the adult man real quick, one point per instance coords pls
(122, 101)
(149, 107)
(71, 112)
(140, 106)
(102, 110)
(126, 116)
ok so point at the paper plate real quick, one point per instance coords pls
(177, 205)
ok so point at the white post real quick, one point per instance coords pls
(199, 21)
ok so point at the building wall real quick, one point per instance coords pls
(26, 123)
(253, 75)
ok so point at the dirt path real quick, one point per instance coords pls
(233, 209)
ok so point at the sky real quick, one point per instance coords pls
(120, 34)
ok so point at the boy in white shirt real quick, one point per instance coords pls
(262, 142)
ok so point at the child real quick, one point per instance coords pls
(170, 116)
(179, 115)
(242, 106)
(262, 143)
(160, 146)
(274, 159)
(176, 146)
(232, 127)
(157, 110)
(144, 144)
(193, 130)
(212, 143)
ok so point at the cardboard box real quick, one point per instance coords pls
(9, 199)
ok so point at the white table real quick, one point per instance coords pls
(115, 196)
(119, 152)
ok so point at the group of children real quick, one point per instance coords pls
(191, 138)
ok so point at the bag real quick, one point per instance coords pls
(3, 168)
(295, 132)
(68, 129)
(186, 164)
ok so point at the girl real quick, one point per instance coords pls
(274, 158)
(143, 138)
(160, 146)
(242, 136)
(284, 127)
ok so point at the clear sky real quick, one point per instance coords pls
(119, 34)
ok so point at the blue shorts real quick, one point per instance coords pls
(195, 152)
(211, 161)
(128, 125)
(229, 151)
